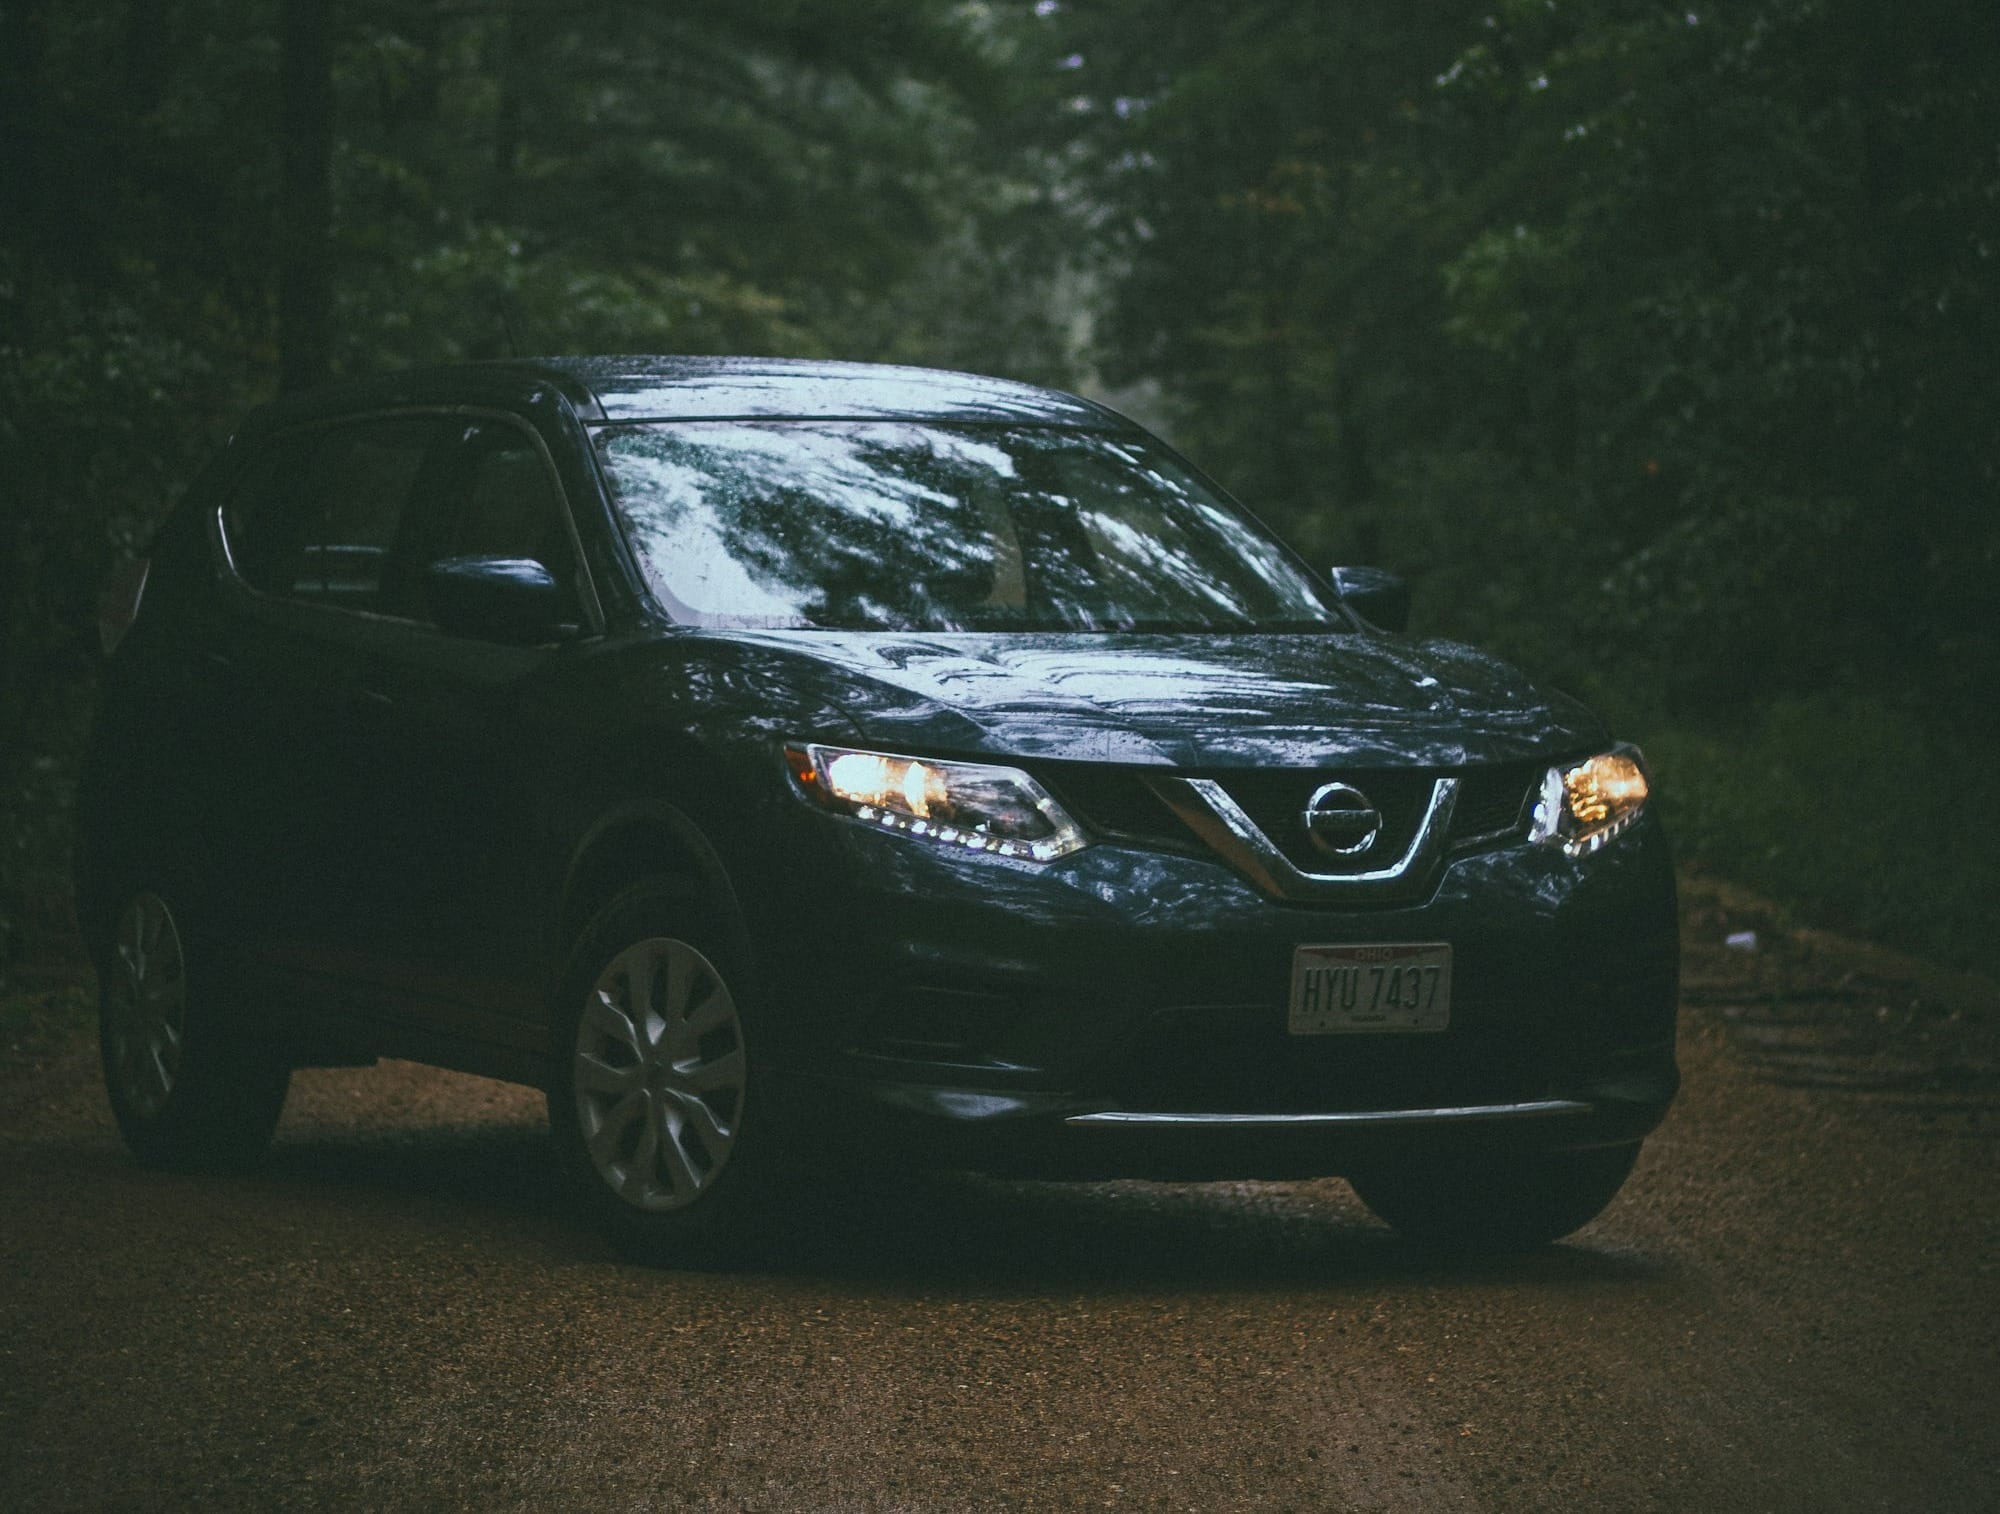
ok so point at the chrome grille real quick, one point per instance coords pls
(1493, 801)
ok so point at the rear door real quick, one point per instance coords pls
(310, 532)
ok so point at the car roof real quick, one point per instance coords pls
(632, 388)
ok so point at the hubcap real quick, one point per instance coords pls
(145, 1006)
(659, 1074)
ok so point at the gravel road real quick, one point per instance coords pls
(1795, 1305)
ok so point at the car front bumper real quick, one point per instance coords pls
(1056, 1136)
(1123, 1012)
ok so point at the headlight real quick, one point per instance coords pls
(1584, 804)
(959, 804)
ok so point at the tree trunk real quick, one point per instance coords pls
(305, 255)
(516, 59)
(24, 207)
(26, 215)
(148, 55)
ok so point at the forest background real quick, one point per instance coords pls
(1656, 345)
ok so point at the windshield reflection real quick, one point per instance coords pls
(899, 526)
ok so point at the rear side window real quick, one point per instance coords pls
(316, 515)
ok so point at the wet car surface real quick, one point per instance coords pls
(795, 765)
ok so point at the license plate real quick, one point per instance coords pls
(1338, 989)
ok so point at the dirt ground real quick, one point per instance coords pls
(1794, 1305)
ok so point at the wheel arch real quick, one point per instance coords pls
(633, 841)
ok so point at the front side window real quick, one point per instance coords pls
(492, 496)
(315, 514)
(908, 526)
(502, 502)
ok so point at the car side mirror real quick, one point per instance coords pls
(1378, 596)
(511, 599)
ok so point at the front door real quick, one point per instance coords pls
(454, 916)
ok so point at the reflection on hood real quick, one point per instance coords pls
(1188, 701)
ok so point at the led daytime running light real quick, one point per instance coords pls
(969, 806)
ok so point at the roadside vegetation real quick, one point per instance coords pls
(1656, 345)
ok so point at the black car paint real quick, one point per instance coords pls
(1182, 700)
(398, 831)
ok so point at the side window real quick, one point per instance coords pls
(506, 501)
(315, 515)
(366, 473)
(264, 518)
(499, 499)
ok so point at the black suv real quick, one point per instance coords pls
(787, 762)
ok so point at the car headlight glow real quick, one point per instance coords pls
(969, 805)
(1584, 804)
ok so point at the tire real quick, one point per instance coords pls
(187, 1092)
(651, 1098)
(1514, 1203)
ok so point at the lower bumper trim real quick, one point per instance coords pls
(1365, 1119)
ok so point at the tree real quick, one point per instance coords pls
(203, 200)
(1640, 335)
(305, 135)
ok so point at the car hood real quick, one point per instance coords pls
(1193, 701)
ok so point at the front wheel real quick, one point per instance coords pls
(185, 1089)
(651, 1100)
(1497, 1204)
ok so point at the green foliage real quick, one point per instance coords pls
(1912, 855)
(507, 177)
(1706, 297)
(1750, 223)
(1657, 345)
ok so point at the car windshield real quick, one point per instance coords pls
(909, 526)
